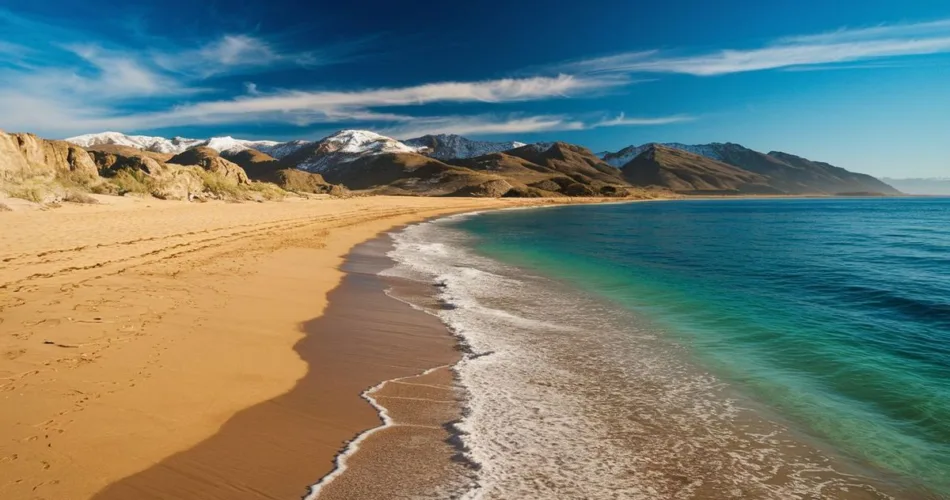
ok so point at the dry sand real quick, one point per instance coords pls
(130, 334)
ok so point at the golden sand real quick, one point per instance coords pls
(131, 333)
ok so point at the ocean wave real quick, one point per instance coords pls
(570, 397)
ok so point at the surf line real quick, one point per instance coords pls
(352, 446)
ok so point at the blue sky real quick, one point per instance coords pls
(861, 84)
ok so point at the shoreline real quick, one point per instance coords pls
(879, 481)
(134, 332)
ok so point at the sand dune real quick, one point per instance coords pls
(131, 332)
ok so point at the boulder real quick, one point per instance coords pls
(209, 160)
(110, 163)
(547, 185)
(578, 189)
(490, 189)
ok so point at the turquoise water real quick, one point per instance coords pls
(834, 313)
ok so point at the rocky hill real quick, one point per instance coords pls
(26, 156)
(689, 173)
(265, 168)
(560, 169)
(787, 173)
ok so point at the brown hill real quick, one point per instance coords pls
(829, 178)
(408, 173)
(265, 168)
(576, 162)
(561, 169)
(789, 173)
(688, 173)
(129, 151)
(211, 161)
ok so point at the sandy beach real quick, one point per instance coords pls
(156, 349)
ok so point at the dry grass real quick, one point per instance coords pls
(4, 208)
(132, 181)
(221, 187)
(36, 193)
(193, 183)
(79, 197)
(268, 191)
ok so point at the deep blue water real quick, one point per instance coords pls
(834, 313)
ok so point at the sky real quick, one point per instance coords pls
(862, 84)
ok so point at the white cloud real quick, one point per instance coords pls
(842, 46)
(116, 74)
(491, 124)
(623, 121)
(481, 125)
(232, 50)
(236, 54)
(309, 107)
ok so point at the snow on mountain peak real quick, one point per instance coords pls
(228, 144)
(143, 142)
(176, 145)
(346, 146)
(449, 146)
(364, 142)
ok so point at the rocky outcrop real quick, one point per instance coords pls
(489, 189)
(265, 168)
(211, 161)
(547, 185)
(111, 162)
(25, 155)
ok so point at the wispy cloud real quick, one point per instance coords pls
(622, 120)
(841, 46)
(84, 82)
(243, 53)
(492, 124)
(335, 103)
(482, 125)
(310, 107)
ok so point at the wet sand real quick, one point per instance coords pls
(177, 350)
(362, 338)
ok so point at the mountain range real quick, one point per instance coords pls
(436, 165)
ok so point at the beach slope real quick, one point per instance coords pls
(134, 331)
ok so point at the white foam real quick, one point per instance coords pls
(570, 397)
(340, 462)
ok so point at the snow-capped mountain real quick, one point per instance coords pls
(229, 144)
(146, 143)
(346, 146)
(179, 145)
(284, 149)
(450, 146)
(622, 157)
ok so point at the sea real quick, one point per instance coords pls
(728, 348)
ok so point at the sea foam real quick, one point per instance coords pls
(570, 397)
